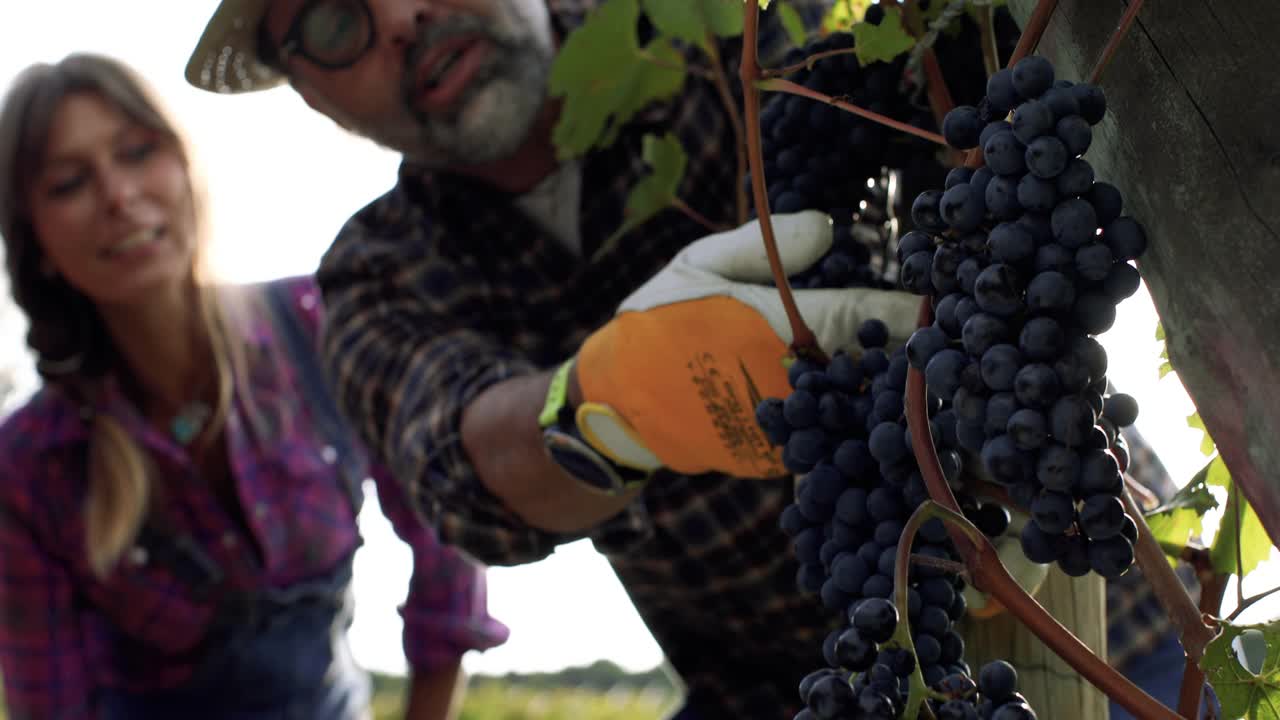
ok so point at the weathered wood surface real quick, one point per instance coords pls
(1192, 139)
(1052, 686)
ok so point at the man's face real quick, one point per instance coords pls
(445, 82)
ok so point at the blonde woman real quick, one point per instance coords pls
(178, 502)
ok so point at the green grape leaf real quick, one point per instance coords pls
(885, 41)
(1207, 446)
(693, 20)
(1160, 332)
(1240, 528)
(843, 14)
(1165, 368)
(1229, 663)
(793, 24)
(605, 77)
(666, 160)
(1182, 518)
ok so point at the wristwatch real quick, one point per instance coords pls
(569, 448)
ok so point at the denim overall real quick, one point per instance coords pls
(270, 653)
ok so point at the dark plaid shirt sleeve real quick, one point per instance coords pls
(406, 363)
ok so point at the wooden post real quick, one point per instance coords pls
(1049, 684)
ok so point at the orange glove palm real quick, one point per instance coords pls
(673, 381)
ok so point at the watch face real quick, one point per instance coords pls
(582, 462)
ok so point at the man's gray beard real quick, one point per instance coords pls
(497, 112)
(493, 116)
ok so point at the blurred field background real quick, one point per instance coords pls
(601, 691)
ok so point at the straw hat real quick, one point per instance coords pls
(226, 59)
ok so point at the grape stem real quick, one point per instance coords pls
(695, 70)
(1250, 601)
(721, 82)
(1212, 588)
(991, 576)
(987, 29)
(804, 343)
(1147, 498)
(786, 86)
(1033, 30)
(950, 566)
(1184, 613)
(696, 216)
(901, 600)
(805, 64)
(1113, 44)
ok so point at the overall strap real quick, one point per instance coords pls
(300, 347)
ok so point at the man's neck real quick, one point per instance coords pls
(533, 161)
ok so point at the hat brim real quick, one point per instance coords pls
(225, 59)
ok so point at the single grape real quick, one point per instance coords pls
(1075, 133)
(1102, 516)
(1120, 408)
(1010, 243)
(1046, 157)
(1058, 468)
(925, 212)
(1093, 102)
(1004, 154)
(1031, 120)
(997, 290)
(1111, 557)
(1038, 546)
(997, 680)
(1106, 202)
(1036, 194)
(1032, 76)
(1001, 93)
(1126, 238)
(875, 619)
(992, 519)
(1074, 223)
(961, 127)
(1053, 512)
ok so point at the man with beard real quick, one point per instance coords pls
(472, 331)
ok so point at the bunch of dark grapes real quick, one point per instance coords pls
(843, 428)
(823, 158)
(1025, 260)
(818, 156)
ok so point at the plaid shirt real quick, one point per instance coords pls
(1136, 621)
(442, 288)
(56, 617)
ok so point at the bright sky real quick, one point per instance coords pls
(283, 179)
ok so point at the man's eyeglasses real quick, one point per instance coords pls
(332, 34)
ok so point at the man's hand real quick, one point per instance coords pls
(673, 381)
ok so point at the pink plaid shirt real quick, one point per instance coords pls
(56, 617)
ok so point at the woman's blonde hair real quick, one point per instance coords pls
(72, 346)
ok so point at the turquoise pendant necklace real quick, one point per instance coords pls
(189, 421)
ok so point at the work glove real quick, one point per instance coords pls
(674, 379)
